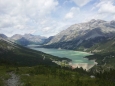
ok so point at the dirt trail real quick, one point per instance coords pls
(14, 80)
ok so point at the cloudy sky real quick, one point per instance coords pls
(49, 17)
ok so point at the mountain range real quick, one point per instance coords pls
(85, 31)
(95, 36)
(27, 39)
(88, 36)
(83, 36)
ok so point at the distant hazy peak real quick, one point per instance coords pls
(112, 22)
(29, 38)
(3, 36)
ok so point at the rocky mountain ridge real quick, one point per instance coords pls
(91, 29)
(77, 35)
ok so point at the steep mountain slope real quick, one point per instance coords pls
(22, 56)
(105, 45)
(103, 54)
(3, 36)
(75, 35)
(28, 39)
(22, 41)
(48, 40)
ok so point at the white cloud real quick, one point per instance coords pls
(114, 17)
(81, 2)
(69, 15)
(32, 31)
(72, 13)
(16, 15)
(48, 17)
(46, 29)
(106, 7)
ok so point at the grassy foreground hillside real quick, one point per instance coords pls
(43, 75)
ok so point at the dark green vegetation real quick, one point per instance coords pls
(56, 76)
(23, 56)
(98, 45)
(23, 62)
(43, 75)
(104, 54)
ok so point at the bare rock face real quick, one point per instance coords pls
(83, 35)
(91, 29)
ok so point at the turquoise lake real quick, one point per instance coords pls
(77, 57)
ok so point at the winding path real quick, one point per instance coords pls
(13, 81)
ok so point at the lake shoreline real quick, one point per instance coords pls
(77, 57)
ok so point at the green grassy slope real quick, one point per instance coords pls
(104, 53)
(43, 75)
(23, 56)
(99, 44)
(104, 47)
